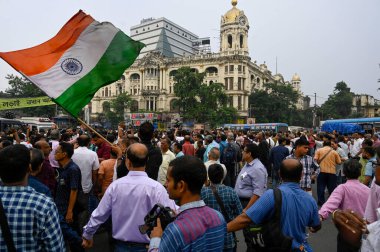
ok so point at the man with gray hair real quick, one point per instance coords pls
(211, 143)
(213, 158)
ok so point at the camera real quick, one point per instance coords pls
(165, 214)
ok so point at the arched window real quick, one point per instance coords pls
(106, 92)
(241, 41)
(135, 77)
(211, 70)
(229, 40)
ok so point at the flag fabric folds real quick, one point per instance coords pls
(84, 56)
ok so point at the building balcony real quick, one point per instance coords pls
(146, 92)
(135, 81)
(211, 74)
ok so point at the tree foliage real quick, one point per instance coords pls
(114, 110)
(339, 103)
(200, 102)
(275, 103)
(22, 87)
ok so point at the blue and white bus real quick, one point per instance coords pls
(274, 127)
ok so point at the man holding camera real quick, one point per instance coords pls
(197, 227)
(128, 200)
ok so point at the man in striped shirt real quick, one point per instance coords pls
(197, 227)
(310, 167)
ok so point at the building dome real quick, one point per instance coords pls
(231, 15)
(296, 77)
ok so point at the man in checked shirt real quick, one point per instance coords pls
(310, 167)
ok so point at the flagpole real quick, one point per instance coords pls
(93, 130)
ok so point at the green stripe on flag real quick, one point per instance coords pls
(120, 54)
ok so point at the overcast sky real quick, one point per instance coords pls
(324, 41)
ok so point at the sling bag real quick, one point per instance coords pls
(6, 232)
(222, 208)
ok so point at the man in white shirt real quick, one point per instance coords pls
(357, 145)
(87, 161)
(167, 157)
(213, 157)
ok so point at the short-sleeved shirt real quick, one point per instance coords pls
(69, 179)
(299, 210)
(310, 167)
(231, 203)
(107, 169)
(252, 180)
(328, 164)
(196, 228)
(369, 170)
(87, 161)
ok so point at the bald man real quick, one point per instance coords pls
(299, 210)
(47, 174)
(128, 200)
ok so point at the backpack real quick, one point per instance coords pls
(268, 236)
(229, 155)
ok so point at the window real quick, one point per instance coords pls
(106, 91)
(231, 83)
(231, 68)
(239, 68)
(243, 69)
(137, 31)
(241, 41)
(229, 40)
(226, 83)
(239, 103)
(226, 69)
(239, 83)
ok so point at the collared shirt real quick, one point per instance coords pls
(369, 169)
(343, 157)
(356, 146)
(69, 179)
(252, 180)
(210, 162)
(344, 148)
(329, 162)
(351, 195)
(196, 228)
(128, 200)
(209, 147)
(87, 161)
(188, 149)
(373, 203)
(167, 157)
(54, 146)
(310, 167)
(179, 154)
(299, 210)
(34, 183)
(32, 218)
(231, 203)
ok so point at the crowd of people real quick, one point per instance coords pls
(60, 187)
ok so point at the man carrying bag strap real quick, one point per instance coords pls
(224, 212)
(5, 231)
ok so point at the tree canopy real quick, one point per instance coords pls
(114, 110)
(276, 102)
(201, 102)
(339, 103)
(22, 87)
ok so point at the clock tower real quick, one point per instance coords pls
(234, 28)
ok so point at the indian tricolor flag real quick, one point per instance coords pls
(84, 56)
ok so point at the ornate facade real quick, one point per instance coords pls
(150, 79)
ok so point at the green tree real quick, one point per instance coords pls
(114, 110)
(22, 87)
(275, 103)
(200, 102)
(339, 103)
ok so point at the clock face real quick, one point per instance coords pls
(242, 21)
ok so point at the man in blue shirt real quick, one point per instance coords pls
(197, 227)
(299, 210)
(277, 154)
(369, 171)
